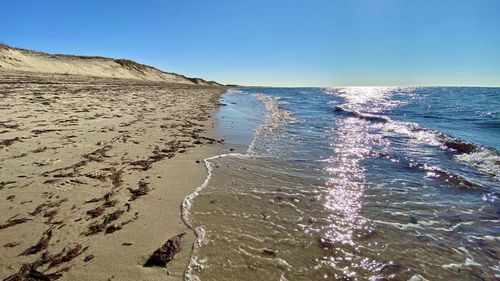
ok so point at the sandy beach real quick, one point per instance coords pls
(250, 140)
(94, 170)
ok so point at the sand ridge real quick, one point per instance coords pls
(17, 59)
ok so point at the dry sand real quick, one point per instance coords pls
(66, 140)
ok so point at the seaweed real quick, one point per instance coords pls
(145, 164)
(166, 253)
(43, 131)
(116, 177)
(51, 181)
(106, 198)
(52, 259)
(28, 272)
(50, 214)
(11, 244)
(8, 142)
(113, 216)
(73, 167)
(64, 256)
(112, 228)
(42, 244)
(109, 203)
(142, 190)
(96, 212)
(3, 184)
(101, 177)
(65, 175)
(157, 156)
(11, 222)
(98, 155)
(96, 228)
(42, 207)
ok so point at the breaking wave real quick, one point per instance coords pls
(275, 119)
(484, 159)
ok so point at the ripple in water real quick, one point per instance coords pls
(348, 184)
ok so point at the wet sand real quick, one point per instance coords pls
(93, 172)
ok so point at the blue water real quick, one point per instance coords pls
(352, 184)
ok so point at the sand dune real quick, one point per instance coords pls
(32, 61)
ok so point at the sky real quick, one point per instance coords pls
(275, 42)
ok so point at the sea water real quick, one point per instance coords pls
(351, 184)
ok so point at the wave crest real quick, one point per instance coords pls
(485, 159)
(275, 119)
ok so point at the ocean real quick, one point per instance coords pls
(351, 184)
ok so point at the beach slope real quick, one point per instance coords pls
(93, 169)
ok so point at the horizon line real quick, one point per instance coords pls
(352, 86)
(248, 86)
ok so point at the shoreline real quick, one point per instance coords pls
(164, 220)
(93, 136)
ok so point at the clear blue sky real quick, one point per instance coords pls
(266, 42)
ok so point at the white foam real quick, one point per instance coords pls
(194, 265)
(188, 201)
(414, 131)
(417, 277)
(468, 262)
(276, 118)
(484, 160)
(359, 100)
(200, 236)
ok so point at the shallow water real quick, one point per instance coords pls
(351, 184)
